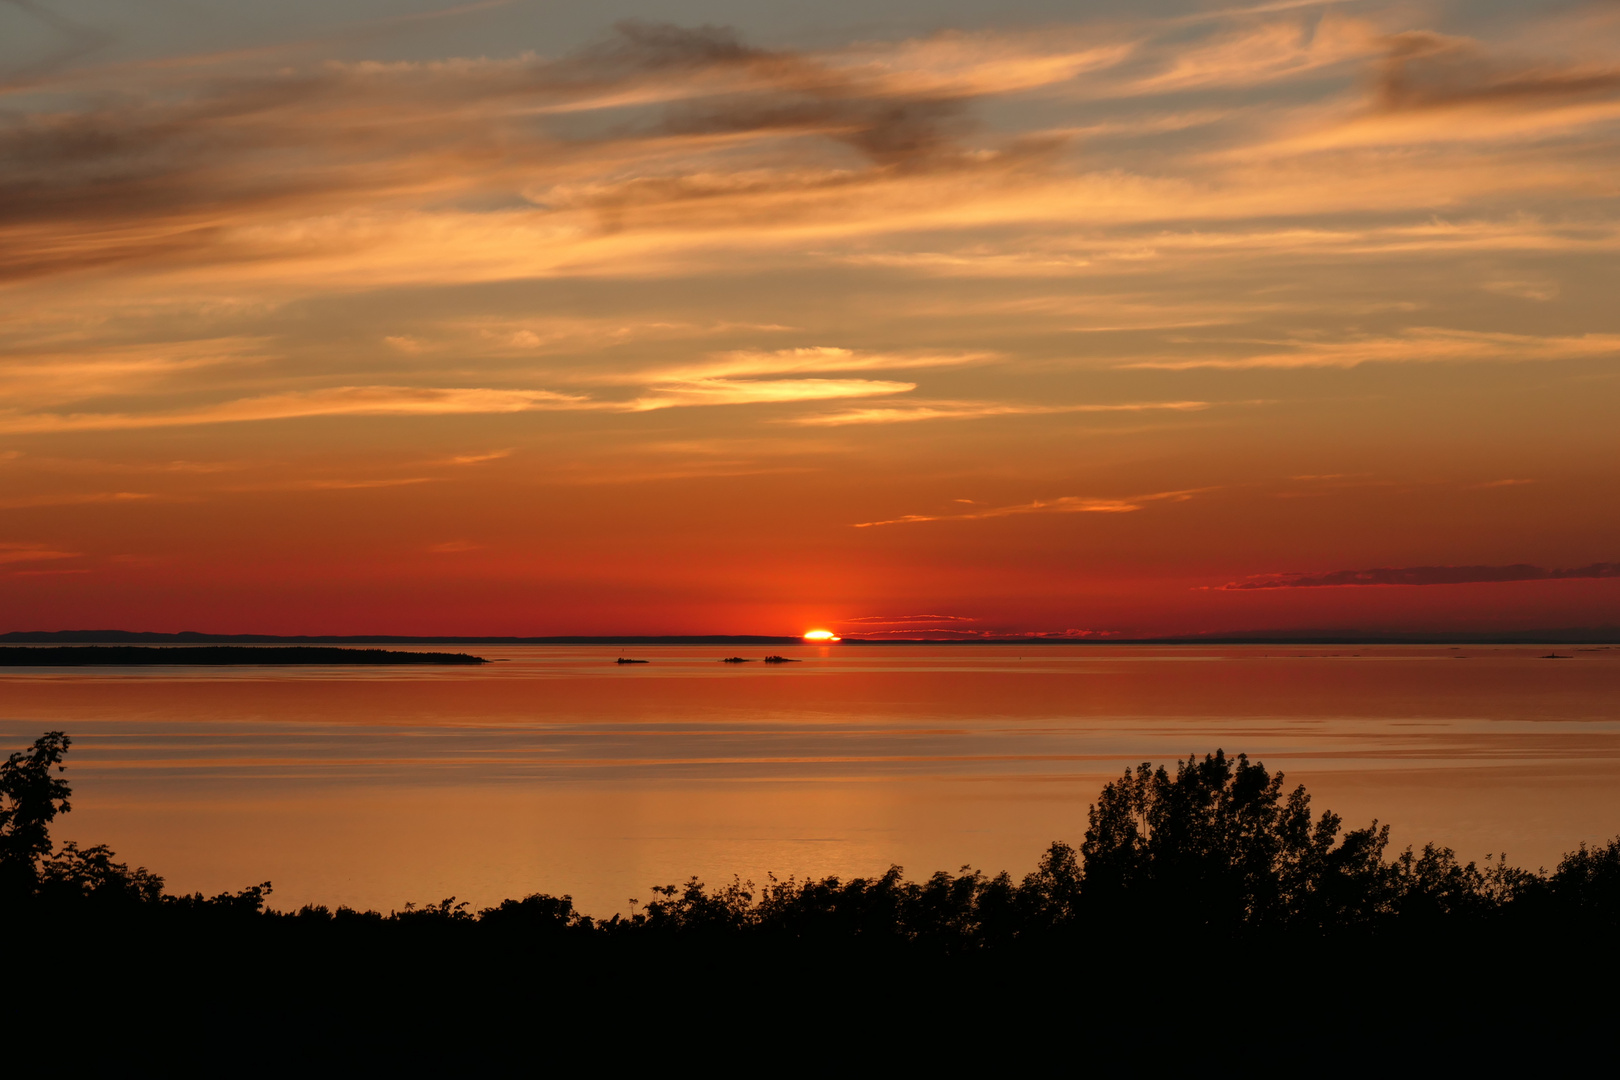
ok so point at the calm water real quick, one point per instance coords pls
(560, 771)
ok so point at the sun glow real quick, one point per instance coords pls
(821, 635)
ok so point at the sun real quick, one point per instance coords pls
(821, 635)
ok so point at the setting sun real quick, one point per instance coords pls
(821, 635)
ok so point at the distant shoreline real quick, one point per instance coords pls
(219, 655)
(1562, 636)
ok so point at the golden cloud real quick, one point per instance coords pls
(1067, 504)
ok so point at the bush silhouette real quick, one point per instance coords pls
(1217, 848)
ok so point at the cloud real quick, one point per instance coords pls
(176, 167)
(1423, 575)
(1263, 52)
(664, 149)
(440, 401)
(76, 368)
(1428, 71)
(757, 391)
(994, 634)
(912, 631)
(239, 160)
(1419, 345)
(474, 459)
(813, 358)
(1434, 89)
(13, 553)
(883, 620)
(337, 401)
(1068, 504)
(27, 502)
(967, 198)
(572, 334)
(973, 410)
(334, 485)
(1542, 290)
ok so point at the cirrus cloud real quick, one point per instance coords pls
(1424, 575)
(1067, 504)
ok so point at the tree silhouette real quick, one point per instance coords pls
(1218, 848)
(30, 799)
(1219, 845)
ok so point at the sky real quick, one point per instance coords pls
(893, 318)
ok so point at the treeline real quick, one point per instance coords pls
(1218, 846)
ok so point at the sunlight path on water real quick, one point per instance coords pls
(559, 770)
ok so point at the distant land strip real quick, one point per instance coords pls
(188, 637)
(214, 655)
(1581, 635)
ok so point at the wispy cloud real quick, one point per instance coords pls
(668, 138)
(1428, 71)
(337, 401)
(756, 391)
(331, 484)
(1423, 575)
(973, 410)
(818, 358)
(1068, 504)
(80, 367)
(1264, 51)
(87, 498)
(474, 459)
(174, 170)
(1419, 345)
(439, 401)
(889, 620)
(16, 553)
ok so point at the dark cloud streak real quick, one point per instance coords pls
(1424, 575)
(1430, 71)
(152, 167)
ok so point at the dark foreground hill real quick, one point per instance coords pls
(1207, 922)
(128, 655)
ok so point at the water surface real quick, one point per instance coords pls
(558, 770)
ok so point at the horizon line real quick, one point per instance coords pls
(1539, 636)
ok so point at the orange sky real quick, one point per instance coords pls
(1005, 324)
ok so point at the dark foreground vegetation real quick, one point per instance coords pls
(1203, 903)
(125, 655)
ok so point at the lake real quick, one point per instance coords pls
(558, 770)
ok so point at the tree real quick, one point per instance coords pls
(92, 875)
(1219, 845)
(30, 799)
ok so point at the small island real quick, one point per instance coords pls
(216, 655)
